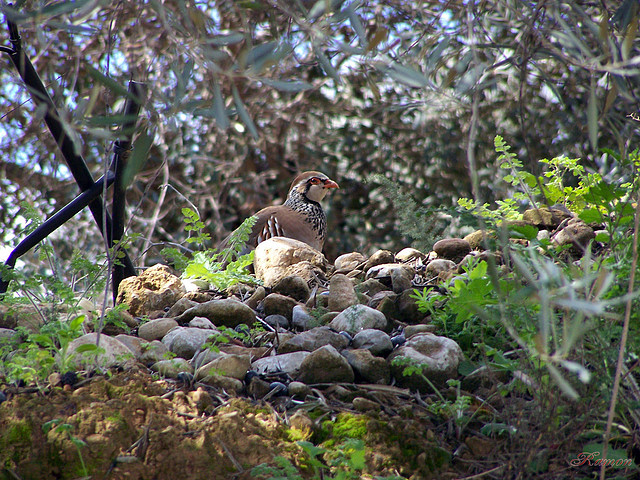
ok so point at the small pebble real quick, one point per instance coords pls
(398, 340)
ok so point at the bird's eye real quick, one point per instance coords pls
(315, 181)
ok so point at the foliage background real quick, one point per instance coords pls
(243, 94)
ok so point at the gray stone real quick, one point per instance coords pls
(370, 287)
(172, 368)
(286, 363)
(180, 307)
(368, 368)
(234, 366)
(397, 275)
(439, 358)
(226, 312)
(342, 294)
(256, 297)
(115, 353)
(299, 390)
(153, 352)
(276, 304)
(294, 287)
(376, 341)
(577, 234)
(186, 341)
(201, 322)
(411, 330)
(357, 318)
(439, 265)
(409, 255)
(407, 307)
(277, 321)
(312, 340)
(156, 329)
(226, 383)
(7, 335)
(453, 249)
(378, 258)
(348, 262)
(133, 343)
(301, 320)
(325, 365)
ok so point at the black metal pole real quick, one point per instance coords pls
(132, 108)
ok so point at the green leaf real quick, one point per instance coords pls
(591, 215)
(87, 347)
(406, 75)
(219, 109)
(287, 86)
(243, 113)
(528, 232)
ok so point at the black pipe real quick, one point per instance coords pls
(52, 223)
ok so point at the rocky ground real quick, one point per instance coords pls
(210, 385)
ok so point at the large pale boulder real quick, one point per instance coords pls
(280, 257)
(111, 353)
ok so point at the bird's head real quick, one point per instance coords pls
(312, 185)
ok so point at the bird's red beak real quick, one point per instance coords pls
(330, 184)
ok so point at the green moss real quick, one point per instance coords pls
(346, 425)
(18, 433)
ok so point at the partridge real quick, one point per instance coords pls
(300, 217)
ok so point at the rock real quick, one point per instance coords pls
(370, 287)
(277, 321)
(172, 368)
(258, 388)
(453, 249)
(276, 304)
(549, 218)
(411, 330)
(133, 343)
(397, 275)
(276, 257)
(12, 316)
(153, 352)
(226, 383)
(201, 322)
(294, 287)
(154, 289)
(342, 294)
(362, 404)
(357, 318)
(288, 363)
(8, 335)
(226, 312)
(368, 368)
(256, 297)
(348, 262)
(234, 366)
(156, 329)
(476, 239)
(376, 341)
(440, 265)
(301, 320)
(387, 306)
(378, 258)
(180, 307)
(116, 353)
(577, 234)
(186, 341)
(409, 255)
(325, 365)
(438, 356)
(312, 340)
(407, 307)
(299, 390)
